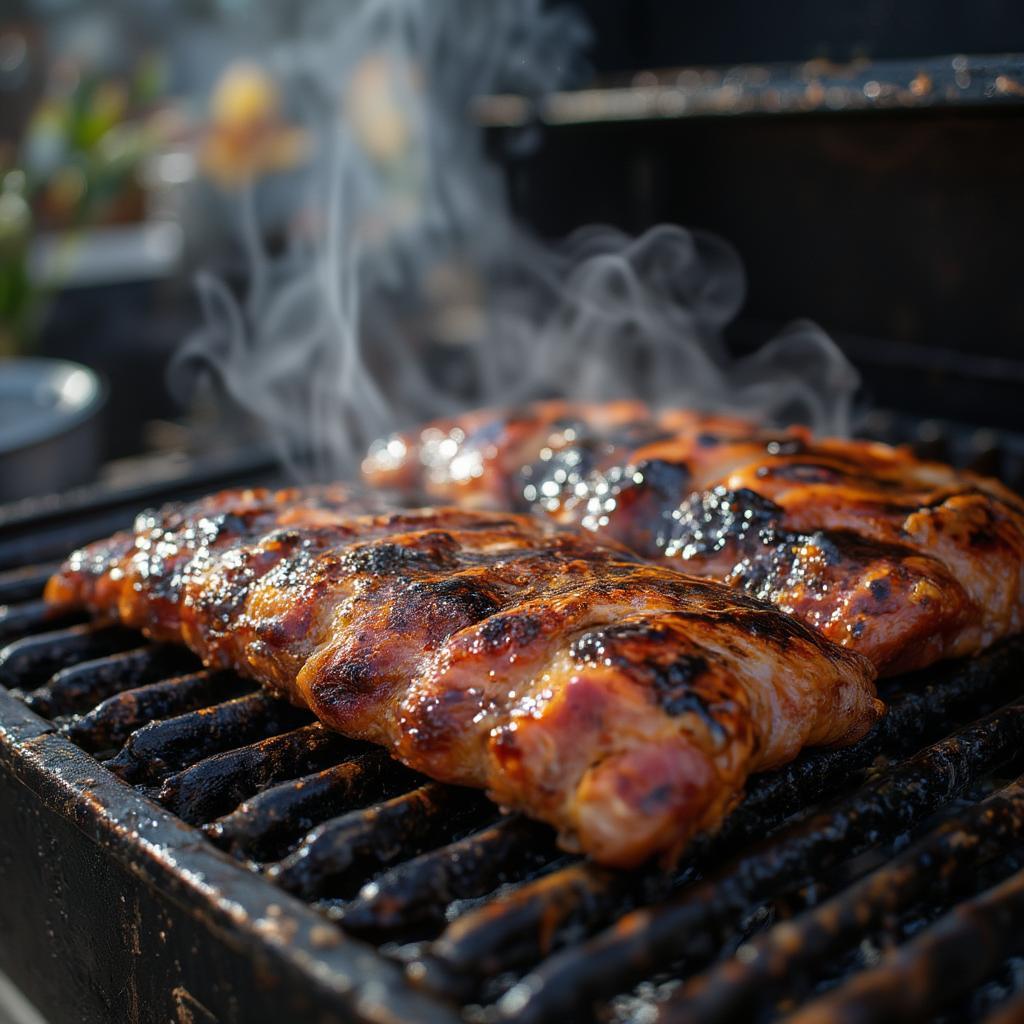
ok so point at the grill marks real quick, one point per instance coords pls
(813, 526)
(456, 639)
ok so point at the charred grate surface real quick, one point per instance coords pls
(880, 882)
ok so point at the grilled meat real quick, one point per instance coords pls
(622, 702)
(903, 560)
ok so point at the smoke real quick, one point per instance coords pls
(643, 317)
(405, 290)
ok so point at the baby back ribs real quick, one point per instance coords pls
(620, 701)
(903, 560)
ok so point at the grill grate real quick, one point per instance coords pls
(884, 881)
(944, 862)
(484, 911)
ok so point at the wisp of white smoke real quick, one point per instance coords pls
(407, 290)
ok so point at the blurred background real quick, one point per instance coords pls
(864, 160)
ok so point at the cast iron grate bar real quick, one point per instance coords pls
(217, 784)
(413, 898)
(31, 661)
(112, 721)
(19, 620)
(25, 584)
(40, 529)
(83, 686)
(162, 748)
(339, 855)
(269, 824)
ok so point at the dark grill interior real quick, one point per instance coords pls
(880, 882)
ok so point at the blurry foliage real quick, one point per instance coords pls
(18, 299)
(84, 143)
(75, 167)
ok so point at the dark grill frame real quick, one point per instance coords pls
(171, 924)
(166, 883)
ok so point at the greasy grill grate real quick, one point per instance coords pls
(485, 912)
(880, 882)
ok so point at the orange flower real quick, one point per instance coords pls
(247, 135)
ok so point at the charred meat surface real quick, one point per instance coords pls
(622, 702)
(903, 560)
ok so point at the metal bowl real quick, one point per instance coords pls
(49, 426)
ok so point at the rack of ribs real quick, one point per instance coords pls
(621, 701)
(904, 560)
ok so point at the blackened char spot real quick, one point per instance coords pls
(228, 525)
(194, 528)
(846, 546)
(440, 606)
(766, 624)
(355, 675)
(668, 480)
(346, 687)
(639, 501)
(390, 559)
(674, 684)
(707, 522)
(465, 594)
(223, 599)
(343, 683)
(780, 561)
(515, 629)
(644, 651)
(983, 538)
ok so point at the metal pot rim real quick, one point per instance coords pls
(68, 394)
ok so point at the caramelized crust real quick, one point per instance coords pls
(622, 702)
(903, 560)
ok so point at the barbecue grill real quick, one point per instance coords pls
(179, 845)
